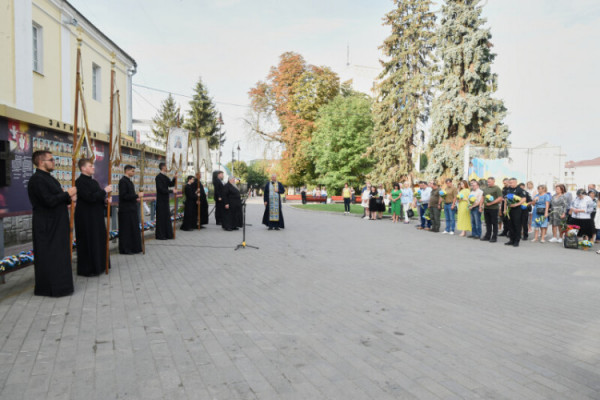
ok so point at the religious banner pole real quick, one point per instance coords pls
(198, 178)
(141, 194)
(110, 161)
(74, 154)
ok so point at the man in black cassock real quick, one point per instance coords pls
(51, 247)
(218, 196)
(203, 203)
(273, 216)
(164, 228)
(232, 200)
(130, 235)
(190, 212)
(90, 227)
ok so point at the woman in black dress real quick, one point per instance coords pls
(373, 203)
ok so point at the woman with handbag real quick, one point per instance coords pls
(539, 219)
(396, 203)
(374, 202)
(558, 216)
(581, 213)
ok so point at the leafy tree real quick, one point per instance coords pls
(423, 162)
(404, 89)
(343, 133)
(257, 175)
(167, 117)
(240, 170)
(285, 106)
(202, 117)
(464, 111)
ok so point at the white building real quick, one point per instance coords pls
(580, 174)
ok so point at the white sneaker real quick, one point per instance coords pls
(553, 240)
(365, 217)
(444, 233)
(451, 233)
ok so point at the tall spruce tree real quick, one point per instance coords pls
(404, 89)
(464, 112)
(202, 117)
(167, 117)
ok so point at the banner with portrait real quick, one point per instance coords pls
(177, 149)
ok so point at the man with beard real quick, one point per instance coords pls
(218, 196)
(164, 228)
(130, 239)
(90, 228)
(52, 263)
(273, 216)
(232, 201)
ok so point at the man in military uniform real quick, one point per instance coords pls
(514, 212)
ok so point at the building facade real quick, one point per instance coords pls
(580, 174)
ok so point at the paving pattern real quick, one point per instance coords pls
(332, 307)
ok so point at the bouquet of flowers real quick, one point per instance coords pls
(539, 220)
(572, 230)
(472, 199)
(461, 196)
(426, 215)
(513, 198)
(418, 194)
(442, 194)
(585, 244)
(488, 198)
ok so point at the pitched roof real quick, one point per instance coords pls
(584, 163)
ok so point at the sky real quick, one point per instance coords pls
(547, 60)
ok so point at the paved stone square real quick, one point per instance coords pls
(332, 307)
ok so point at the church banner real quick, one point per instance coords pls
(177, 149)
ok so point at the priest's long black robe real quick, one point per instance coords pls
(265, 221)
(203, 206)
(232, 218)
(164, 227)
(130, 235)
(51, 247)
(219, 205)
(90, 227)
(190, 212)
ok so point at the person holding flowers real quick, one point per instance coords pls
(448, 195)
(490, 206)
(558, 216)
(463, 215)
(422, 198)
(407, 199)
(474, 200)
(515, 198)
(435, 206)
(525, 213)
(581, 211)
(539, 218)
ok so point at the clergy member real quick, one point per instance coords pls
(90, 226)
(164, 228)
(232, 201)
(203, 202)
(218, 196)
(190, 212)
(52, 263)
(273, 217)
(130, 235)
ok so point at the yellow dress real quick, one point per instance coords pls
(463, 217)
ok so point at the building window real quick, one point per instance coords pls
(38, 48)
(96, 81)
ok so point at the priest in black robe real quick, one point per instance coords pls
(190, 212)
(51, 230)
(273, 216)
(164, 227)
(232, 201)
(203, 203)
(218, 196)
(90, 225)
(130, 235)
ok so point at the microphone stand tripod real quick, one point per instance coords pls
(244, 245)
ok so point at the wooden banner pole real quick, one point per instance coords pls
(141, 195)
(110, 148)
(74, 155)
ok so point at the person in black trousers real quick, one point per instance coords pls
(514, 213)
(218, 196)
(503, 216)
(490, 209)
(525, 211)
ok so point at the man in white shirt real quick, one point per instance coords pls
(424, 192)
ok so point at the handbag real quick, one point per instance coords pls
(571, 242)
(410, 213)
(540, 211)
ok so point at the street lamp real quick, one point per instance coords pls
(238, 149)
(220, 123)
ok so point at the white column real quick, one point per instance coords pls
(467, 159)
(23, 55)
(65, 66)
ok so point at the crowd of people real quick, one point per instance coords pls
(52, 245)
(515, 210)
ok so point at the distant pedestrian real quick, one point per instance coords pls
(539, 216)
(474, 200)
(407, 199)
(463, 215)
(435, 207)
(347, 196)
(396, 202)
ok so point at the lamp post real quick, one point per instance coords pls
(220, 123)
(238, 149)
(232, 160)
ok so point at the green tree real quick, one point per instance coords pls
(404, 89)
(167, 117)
(343, 133)
(464, 111)
(257, 175)
(203, 116)
(240, 170)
